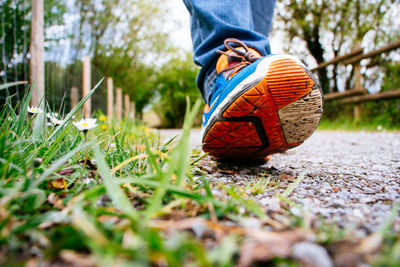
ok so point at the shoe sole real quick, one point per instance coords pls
(266, 114)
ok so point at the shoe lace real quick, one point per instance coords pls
(240, 58)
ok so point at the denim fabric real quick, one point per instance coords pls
(212, 21)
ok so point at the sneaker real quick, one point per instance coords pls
(259, 105)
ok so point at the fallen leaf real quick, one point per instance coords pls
(58, 183)
(286, 177)
(228, 172)
(335, 189)
(66, 172)
(370, 244)
(55, 200)
(276, 225)
(262, 246)
(74, 258)
(343, 253)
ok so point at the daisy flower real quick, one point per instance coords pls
(54, 118)
(55, 121)
(52, 115)
(85, 124)
(34, 110)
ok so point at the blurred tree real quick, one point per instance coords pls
(125, 41)
(175, 82)
(329, 28)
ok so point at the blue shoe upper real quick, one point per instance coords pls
(224, 86)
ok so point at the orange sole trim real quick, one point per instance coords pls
(250, 127)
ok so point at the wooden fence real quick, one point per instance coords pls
(359, 94)
(116, 110)
(37, 74)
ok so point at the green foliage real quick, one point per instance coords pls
(116, 196)
(125, 41)
(55, 199)
(175, 82)
(332, 28)
(391, 79)
(375, 115)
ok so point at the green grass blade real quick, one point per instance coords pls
(38, 126)
(179, 162)
(23, 110)
(169, 188)
(391, 219)
(7, 85)
(74, 110)
(56, 144)
(113, 189)
(60, 162)
(291, 187)
(181, 155)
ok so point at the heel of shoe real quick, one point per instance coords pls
(297, 97)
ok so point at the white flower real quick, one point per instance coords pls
(85, 124)
(52, 115)
(34, 110)
(54, 118)
(55, 121)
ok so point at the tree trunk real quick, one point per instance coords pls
(314, 46)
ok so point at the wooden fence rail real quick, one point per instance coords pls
(383, 49)
(357, 55)
(392, 94)
(359, 94)
(347, 93)
(353, 53)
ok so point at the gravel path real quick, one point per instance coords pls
(351, 178)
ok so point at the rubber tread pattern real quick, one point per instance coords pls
(230, 137)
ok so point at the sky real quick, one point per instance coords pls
(180, 28)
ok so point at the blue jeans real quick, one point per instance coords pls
(212, 21)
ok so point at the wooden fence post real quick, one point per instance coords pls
(110, 99)
(357, 84)
(86, 84)
(132, 111)
(74, 97)
(118, 103)
(126, 105)
(36, 50)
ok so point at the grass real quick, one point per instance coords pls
(348, 124)
(118, 196)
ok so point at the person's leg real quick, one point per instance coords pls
(214, 21)
(262, 13)
(256, 103)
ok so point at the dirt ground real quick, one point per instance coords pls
(351, 178)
